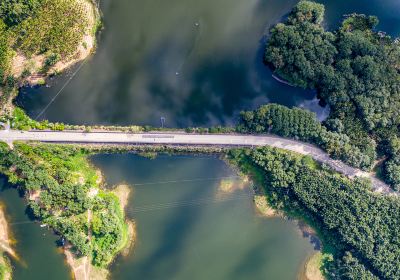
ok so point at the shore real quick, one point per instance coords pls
(311, 269)
(5, 246)
(82, 268)
(35, 63)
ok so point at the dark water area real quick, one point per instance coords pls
(187, 228)
(39, 256)
(192, 62)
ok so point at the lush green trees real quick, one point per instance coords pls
(301, 124)
(361, 226)
(57, 27)
(5, 52)
(15, 11)
(355, 70)
(67, 197)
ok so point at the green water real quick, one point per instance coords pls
(36, 246)
(187, 229)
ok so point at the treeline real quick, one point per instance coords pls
(303, 125)
(51, 27)
(392, 165)
(357, 226)
(62, 189)
(354, 69)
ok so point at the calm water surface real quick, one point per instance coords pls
(188, 229)
(36, 246)
(193, 62)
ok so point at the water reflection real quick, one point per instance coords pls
(193, 62)
(187, 229)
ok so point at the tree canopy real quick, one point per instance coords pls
(360, 227)
(355, 69)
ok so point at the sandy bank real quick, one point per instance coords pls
(82, 268)
(34, 64)
(5, 237)
(311, 270)
(123, 193)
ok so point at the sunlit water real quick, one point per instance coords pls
(188, 229)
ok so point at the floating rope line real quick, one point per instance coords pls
(61, 90)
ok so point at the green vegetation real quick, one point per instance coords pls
(354, 69)
(5, 268)
(5, 52)
(358, 227)
(303, 125)
(14, 12)
(63, 192)
(52, 28)
(61, 25)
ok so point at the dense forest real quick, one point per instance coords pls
(355, 70)
(63, 192)
(303, 125)
(358, 228)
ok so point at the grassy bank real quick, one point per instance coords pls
(65, 192)
(5, 268)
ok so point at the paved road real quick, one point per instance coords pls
(191, 139)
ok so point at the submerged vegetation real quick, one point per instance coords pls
(354, 69)
(63, 192)
(357, 226)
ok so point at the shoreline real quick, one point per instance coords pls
(5, 246)
(311, 268)
(20, 62)
(81, 267)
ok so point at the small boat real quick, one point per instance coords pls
(44, 225)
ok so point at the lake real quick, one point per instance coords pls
(192, 62)
(187, 226)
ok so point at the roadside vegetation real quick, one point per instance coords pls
(63, 192)
(355, 70)
(359, 228)
(303, 125)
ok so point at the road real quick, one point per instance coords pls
(319, 155)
